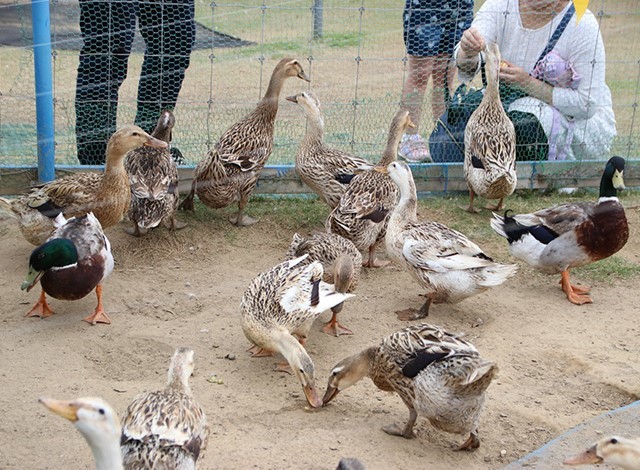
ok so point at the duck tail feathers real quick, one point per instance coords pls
(497, 274)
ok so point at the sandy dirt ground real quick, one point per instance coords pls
(560, 364)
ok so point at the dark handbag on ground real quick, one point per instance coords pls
(446, 142)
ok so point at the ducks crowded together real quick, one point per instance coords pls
(438, 375)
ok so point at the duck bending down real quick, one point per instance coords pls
(230, 171)
(444, 261)
(73, 262)
(341, 262)
(438, 376)
(364, 209)
(490, 142)
(283, 302)
(153, 178)
(105, 194)
(98, 424)
(612, 450)
(566, 236)
(326, 170)
(166, 428)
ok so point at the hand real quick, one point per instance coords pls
(472, 42)
(514, 75)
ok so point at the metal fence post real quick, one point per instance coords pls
(318, 10)
(44, 89)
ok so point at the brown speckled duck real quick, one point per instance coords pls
(341, 261)
(166, 428)
(437, 374)
(490, 142)
(326, 170)
(106, 194)
(365, 207)
(570, 235)
(229, 172)
(153, 176)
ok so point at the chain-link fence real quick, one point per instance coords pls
(135, 54)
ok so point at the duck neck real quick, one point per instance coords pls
(391, 150)
(492, 92)
(288, 346)
(315, 128)
(270, 99)
(606, 187)
(115, 159)
(106, 453)
(178, 380)
(407, 209)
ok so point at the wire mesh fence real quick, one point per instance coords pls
(355, 52)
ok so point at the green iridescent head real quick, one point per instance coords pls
(55, 253)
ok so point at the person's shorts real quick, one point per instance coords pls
(431, 29)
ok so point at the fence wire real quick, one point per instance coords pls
(354, 51)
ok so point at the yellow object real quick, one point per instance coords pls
(581, 7)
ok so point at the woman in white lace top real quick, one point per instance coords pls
(574, 106)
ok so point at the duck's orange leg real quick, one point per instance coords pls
(334, 328)
(578, 289)
(471, 209)
(576, 296)
(497, 207)
(257, 351)
(40, 308)
(98, 315)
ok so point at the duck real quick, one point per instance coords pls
(612, 450)
(566, 236)
(341, 262)
(490, 142)
(282, 302)
(366, 205)
(444, 261)
(74, 261)
(97, 422)
(166, 428)
(153, 178)
(105, 194)
(230, 171)
(326, 170)
(437, 374)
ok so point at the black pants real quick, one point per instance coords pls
(168, 29)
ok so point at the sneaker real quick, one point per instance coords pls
(414, 149)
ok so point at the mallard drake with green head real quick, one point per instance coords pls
(73, 262)
(566, 236)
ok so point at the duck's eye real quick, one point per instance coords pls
(334, 373)
(614, 441)
(302, 371)
(101, 411)
(41, 256)
(135, 134)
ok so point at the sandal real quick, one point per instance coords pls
(414, 149)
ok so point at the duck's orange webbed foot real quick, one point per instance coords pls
(98, 315)
(40, 308)
(334, 328)
(575, 295)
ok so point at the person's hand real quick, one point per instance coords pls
(514, 75)
(472, 42)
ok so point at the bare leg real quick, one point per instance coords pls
(419, 69)
(333, 328)
(241, 219)
(439, 68)
(98, 315)
(413, 314)
(471, 209)
(40, 308)
(406, 432)
(470, 444)
(575, 297)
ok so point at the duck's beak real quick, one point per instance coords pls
(153, 142)
(66, 409)
(411, 124)
(304, 76)
(32, 279)
(330, 394)
(312, 396)
(381, 169)
(589, 456)
(618, 180)
(293, 99)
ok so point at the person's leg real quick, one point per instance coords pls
(413, 147)
(168, 28)
(438, 72)
(107, 29)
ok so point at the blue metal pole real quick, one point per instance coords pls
(44, 89)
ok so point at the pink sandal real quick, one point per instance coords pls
(414, 149)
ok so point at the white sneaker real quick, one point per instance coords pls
(414, 149)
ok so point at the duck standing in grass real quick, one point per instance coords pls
(105, 194)
(490, 142)
(282, 302)
(612, 450)
(444, 261)
(326, 170)
(153, 177)
(98, 424)
(365, 207)
(570, 235)
(74, 261)
(437, 374)
(341, 262)
(230, 171)
(166, 428)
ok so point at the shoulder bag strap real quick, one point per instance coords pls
(557, 33)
